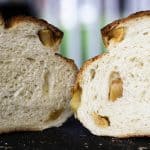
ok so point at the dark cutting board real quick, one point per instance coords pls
(71, 136)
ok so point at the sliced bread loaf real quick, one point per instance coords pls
(112, 91)
(35, 82)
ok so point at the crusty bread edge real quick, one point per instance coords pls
(14, 21)
(73, 65)
(20, 19)
(105, 30)
(20, 129)
(71, 62)
(79, 78)
(126, 136)
(85, 65)
(31, 128)
(132, 136)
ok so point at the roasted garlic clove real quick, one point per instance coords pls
(115, 35)
(76, 98)
(101, 121)
(48, 38)
(115, 86)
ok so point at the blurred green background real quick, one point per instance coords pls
(80, 20)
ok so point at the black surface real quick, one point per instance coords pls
(71, 136)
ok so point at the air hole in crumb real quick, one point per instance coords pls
(95, 97)
(30, 59)
(115, 67)
(7, 62)
(16, 76)
(132, 75)
(10, 114)
(102, 121)
(92, 73)
(11, 86)
(145, 33)
(96, 66)
(141, 64)
(10, 96)
(137, 62)
(41, 62)
(46, 83)
(31, 36)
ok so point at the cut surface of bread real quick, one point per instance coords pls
(112, 91)
(35, 82)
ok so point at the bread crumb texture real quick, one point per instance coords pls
(35, 82)
(115, 86)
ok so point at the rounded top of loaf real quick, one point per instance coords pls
(105, 31)
(54, 37)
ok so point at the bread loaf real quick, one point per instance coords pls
(35, 81)
(112, 91)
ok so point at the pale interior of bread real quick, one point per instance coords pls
(35, 84)
(128, 115)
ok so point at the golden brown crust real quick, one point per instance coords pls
(72, 64)
(105, 31)
(77, 86)
(20, 19)
(56, 34)
(123, 136)
(132, 135)
(84, 67)
(20, 129)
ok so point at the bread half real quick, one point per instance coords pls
(112, 91)
(35, 82)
